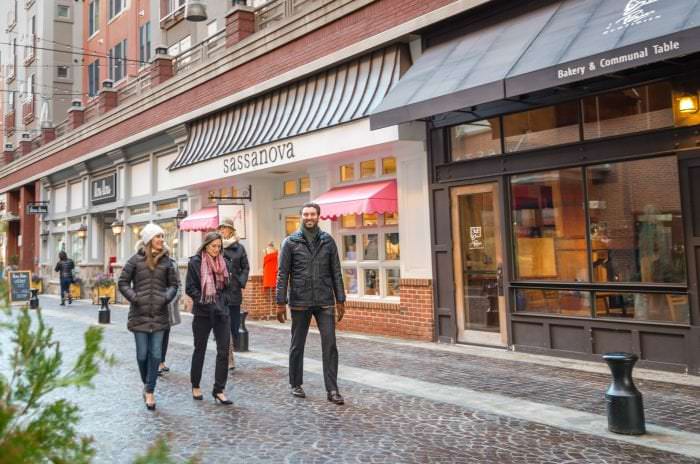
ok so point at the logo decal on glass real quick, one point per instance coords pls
(475, 236)
(635, 13)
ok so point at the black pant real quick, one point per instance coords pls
(65, 288)
(235, 313)
(325, 319)
(164, 349)
(201, 327)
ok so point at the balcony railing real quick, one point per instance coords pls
(204, 52)
(278, 10)
(135, 87)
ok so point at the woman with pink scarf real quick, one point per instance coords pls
(208, 275)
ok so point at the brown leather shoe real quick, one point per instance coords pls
(334, 397)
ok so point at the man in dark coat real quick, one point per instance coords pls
(65, 267)
(309, 279)
(235, 252)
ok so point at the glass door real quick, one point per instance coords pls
(476, 232)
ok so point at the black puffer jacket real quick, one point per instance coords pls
(239, 262)
(65, 268)
(193, 288)
(306, 278)
(151, 292)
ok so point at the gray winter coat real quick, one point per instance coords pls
(148, 292)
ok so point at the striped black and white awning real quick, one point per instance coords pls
(335, 96)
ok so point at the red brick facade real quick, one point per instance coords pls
(411, 318)
(364, 23)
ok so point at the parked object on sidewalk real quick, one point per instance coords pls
(243, 334)
(34, 300)
(104, 315)
(623, 400)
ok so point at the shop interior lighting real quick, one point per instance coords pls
(688, 104)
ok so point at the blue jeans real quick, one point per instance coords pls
(235, 314)
(65, 288)
(148, 356)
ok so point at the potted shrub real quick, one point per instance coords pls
(104, 286)
(75, 288)
(38, 283)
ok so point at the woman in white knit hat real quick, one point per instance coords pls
(149, 282)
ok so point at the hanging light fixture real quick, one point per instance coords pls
(688, 103)
(195, 11)
(117, 227)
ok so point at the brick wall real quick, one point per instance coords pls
(364, 23)
(411, 318)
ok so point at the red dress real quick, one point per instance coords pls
(270, 270)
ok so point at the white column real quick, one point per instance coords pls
(414, 210)
(320, 180)
(262, 222)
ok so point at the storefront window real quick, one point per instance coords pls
(58, 245)
(347, 172)
(166, 205)
(369, 220)
(630, 110)
(140, 209)
(171, 237)
(549, 226)
(350, 247)
(350, 280)
(393, 282)
(371, 247)
(76, 247)
(388, 166)
(290, 187)
(542, 127)
(391, 246)
(348, 221)
(560, 302)
(371, 282)
(291, 224)
(391, 219)
(369, 256)
(368, 169)
(305, 184)
(135, 231)
(636, 227)
(475, 140)
(643, 306)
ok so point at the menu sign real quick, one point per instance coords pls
(20, 285)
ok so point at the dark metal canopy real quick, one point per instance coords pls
(553, 45)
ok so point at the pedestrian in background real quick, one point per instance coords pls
(149, 282)
(174, 319)
(309, 279)
(65, 267)
(235, 252)
(208, 278)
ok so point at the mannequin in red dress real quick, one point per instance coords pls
(270, 266)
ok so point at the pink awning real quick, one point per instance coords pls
(203, 220)
(373, 197)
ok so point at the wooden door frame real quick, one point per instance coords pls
(493, 187)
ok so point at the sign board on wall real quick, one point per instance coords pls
(237, 213)
(20, 285)
(104, 190)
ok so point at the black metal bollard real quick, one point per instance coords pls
(103, 315)
(34, 299)
(243, 333)
(623, 400)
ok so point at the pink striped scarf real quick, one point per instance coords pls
(213, 276)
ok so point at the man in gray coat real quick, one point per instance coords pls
(309, 279)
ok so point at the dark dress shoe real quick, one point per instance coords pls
(334, 397)
(199, 397)
(298, 392)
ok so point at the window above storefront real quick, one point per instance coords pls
(626, 111)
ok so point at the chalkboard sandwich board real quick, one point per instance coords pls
(20, 286)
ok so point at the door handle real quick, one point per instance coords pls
(499, 279)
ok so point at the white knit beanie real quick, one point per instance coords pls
(149, 231)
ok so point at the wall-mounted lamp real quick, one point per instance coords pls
(195, 11)
(181, 214)
(117, 227)
(688, 103)
(82, 231)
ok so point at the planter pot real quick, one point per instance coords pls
(75, 291)
(110, 291)
(39, 286)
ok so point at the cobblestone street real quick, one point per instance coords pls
(403, 404)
